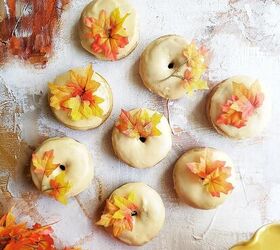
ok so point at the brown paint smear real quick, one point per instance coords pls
(14, 153)
(14, 160)
(27, 28)
(14, 157)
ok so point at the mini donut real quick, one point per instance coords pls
(80, 98)
(109, 29)
(203, 177)
(172, 67)
(238, 107)
(61, 168)
(141, 137)
(134, 214)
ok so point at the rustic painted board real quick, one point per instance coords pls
(243, 37)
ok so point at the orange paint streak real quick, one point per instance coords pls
(28, 32)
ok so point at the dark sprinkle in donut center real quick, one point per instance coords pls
(62, 167)
(133, 213)
(171, 65)
(142, 139)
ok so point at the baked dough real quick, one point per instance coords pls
(145, 153)
(189, 186)
(103, 91)
(149, 215)
(163, 58)
(70, 157)
(130, 25)
(255, 123)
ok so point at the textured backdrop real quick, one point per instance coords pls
(243, 38)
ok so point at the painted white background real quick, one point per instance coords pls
(244, 38)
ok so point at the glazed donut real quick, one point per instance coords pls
(81, 98)
(203, 177)
(141, 137)
(238, 107)
(109, 29)
(61, 168)
(134, 213)
(172, 67)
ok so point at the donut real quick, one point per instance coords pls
(172, 67)
(141, 137)
(134, 214)
(238, 107)
(109, 29)
(80, 98)
(61, 168)
(203, 177)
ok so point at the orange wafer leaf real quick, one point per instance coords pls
(44, 165)
(77, 97)
(118, 213)
(213, 175)
(196, 67)
(18, 236)
(59, 188)
(243, 103)
(108, 33)
(139, 124)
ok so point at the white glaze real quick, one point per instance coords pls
(74, 156)
(188, 186)
(131, 24)
(256, 123)
(150, 217)
(143, 155)
(154, 69)
(104, 91)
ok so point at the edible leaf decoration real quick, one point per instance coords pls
(118, 213)
(44, 165)
(213, 175)
(77, 96)
(108, 33)
(139, 124)
(59, 188)
(17, 236)
(243, 103)
(196, 66)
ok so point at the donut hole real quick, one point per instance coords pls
(134, 213)
(142, 139)
(171, 65)
(62, 167)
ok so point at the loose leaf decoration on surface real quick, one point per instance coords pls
(139, 124)
(118, 213)
(44, 166)
(243, 103)
(213, 175)
(77, 96)
(196, 66)
(17, 236)
(108, 33)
